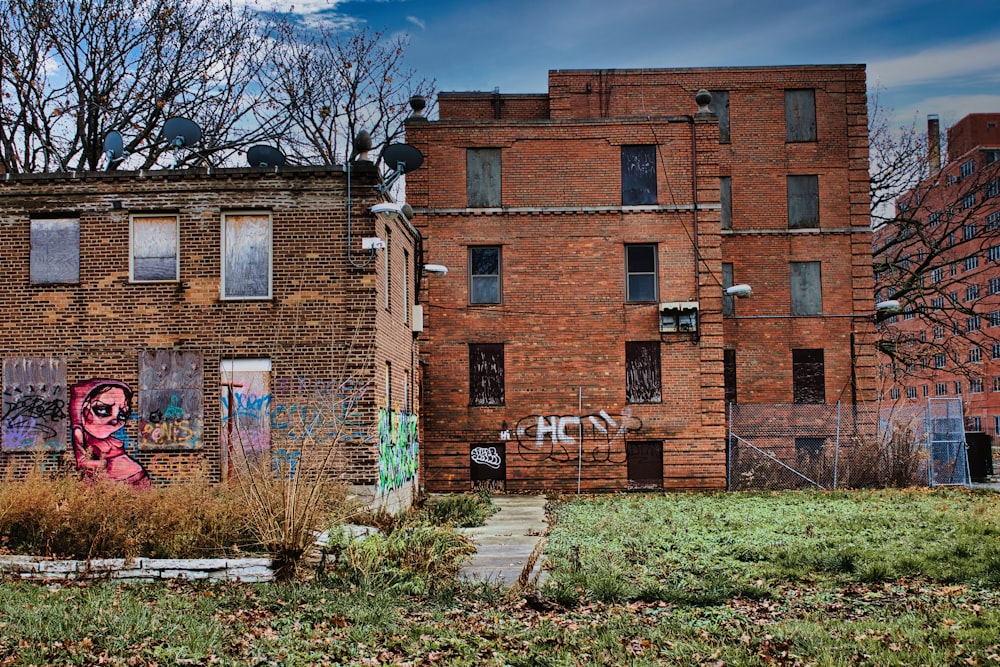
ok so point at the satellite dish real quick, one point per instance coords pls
(181, 132)
(265, 156)
(402, 159)
(114, 148)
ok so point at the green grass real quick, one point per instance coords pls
(866, 578)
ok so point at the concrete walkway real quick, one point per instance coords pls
(509, 546)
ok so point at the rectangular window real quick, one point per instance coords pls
(911, 392)
(486, 374)
(924, 391)
(482, 177)
(155, 240)
(995, 352)
(406, 286)
(994, 253)
(995, 285)
(35, 397)
(995, 318)
(937, 275)
(55, 251)
(171, 399)
(975, 355)
(806, 288)
(388, 385)
(800, 115)
(387, 255)
(803, 202)
(728, 302)
(972, 323)
(972, 263)
(938, 332)
(484, 274)
(977, 422)
(246, 255)
(975, 386)
(967, 168)
(640, 272)
(992, 189)
(940, 360)
(993, 221)
(808, 376)
(638, 175)
(968, 232)
(246, 418)
(996, 383)
(972, 292)
(894, 393)
(958, 387)
(726, 201)
(642, 372)
(941, 389)
(937, 302)
(720, 107)
(968, 201)
(729, 374)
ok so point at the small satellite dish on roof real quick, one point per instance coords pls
(265, 156)
(114, 148)
(402, 159)
(181, 132)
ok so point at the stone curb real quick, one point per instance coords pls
(33, 568)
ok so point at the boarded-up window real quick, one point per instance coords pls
(800, 115)
(482, 177)
(726, 201)
(246, 256)
(808, 376)
(484, 274)
(638, 175)
(486, 374)
(729, 374)
(642, 372)
(55, 251)
(720, 107)
(246, 410)
(728, 302)
(806, 288)
(644, 461)
(35, 407)
(171, 399)
(154, 248)
(640, 272)
(803, 202)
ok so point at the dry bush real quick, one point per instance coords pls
(66, 517)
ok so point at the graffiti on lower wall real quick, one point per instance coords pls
(170, 399)
(398, 449)
(600, 436)
(34, 405)
(98, 410)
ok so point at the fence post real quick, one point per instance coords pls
(836, 450)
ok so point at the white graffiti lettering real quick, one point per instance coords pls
(486, 456)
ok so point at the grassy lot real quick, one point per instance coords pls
(870, 578)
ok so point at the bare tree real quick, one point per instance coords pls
(332, 85)
(73, 70)
(937, 243)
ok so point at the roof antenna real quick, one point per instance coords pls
(265, 156)
(402, 159)
(114, 149)
(181, 133)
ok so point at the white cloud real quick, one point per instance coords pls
(294, 6)
(417, 22)
(938, 64)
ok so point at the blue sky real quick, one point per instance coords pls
(924, 57)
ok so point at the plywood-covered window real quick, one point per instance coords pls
(728, 302)
(808, 376)
(246, 255)
(35, 404)
(483, 177)
(720, 107)
(803, 201)
(726, 201)
(171, 397)
(642, 372)
(55, 251)
(729, 375)
(155, 243)
(486, 374)
(806, 288)
(638, 175)
(800, 115)
(246, 409)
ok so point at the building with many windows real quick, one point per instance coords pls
(158, 324)
(941, 259)
(584, 337)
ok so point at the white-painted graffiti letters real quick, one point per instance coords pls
(600, 436)
(487, 456)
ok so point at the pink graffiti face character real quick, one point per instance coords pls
(105, 413)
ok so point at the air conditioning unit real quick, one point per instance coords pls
(678, 316)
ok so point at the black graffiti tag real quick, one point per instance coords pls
(34, 414)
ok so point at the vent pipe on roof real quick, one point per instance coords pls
(933, 143)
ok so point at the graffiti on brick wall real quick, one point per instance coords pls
(98, 411)
(398, 449)
(176, 466)
(599, 436)
(34, 405)
(170, 399)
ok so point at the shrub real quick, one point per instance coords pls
(462, 510)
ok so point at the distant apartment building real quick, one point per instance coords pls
(156, 323)
(945, 254)
(583, 337)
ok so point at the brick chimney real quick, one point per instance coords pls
(933, 143)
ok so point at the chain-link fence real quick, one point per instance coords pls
(846, 446)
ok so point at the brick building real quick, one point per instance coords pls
(943, 263)
(230, 308)
(582, 336)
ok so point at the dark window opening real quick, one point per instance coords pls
(484, 274)
(645, 465)
(486, 374)
(729, 375)
(641, 272)
(726, 201)
(808, 376)
(728, 302)
(803, 202)
(720, 107)
(638, 175)
(642, 372)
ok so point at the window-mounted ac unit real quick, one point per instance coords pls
(678, 316)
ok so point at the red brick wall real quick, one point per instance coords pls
(325, 325)
(564, 322)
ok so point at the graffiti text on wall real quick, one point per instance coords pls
(486, 456)
(170, 399)
(600, 436)
(34, 404)
(398, 449)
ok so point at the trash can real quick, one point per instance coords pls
(980, 450)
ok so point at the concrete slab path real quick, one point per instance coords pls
(509, 547)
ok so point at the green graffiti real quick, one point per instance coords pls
(398, 449)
